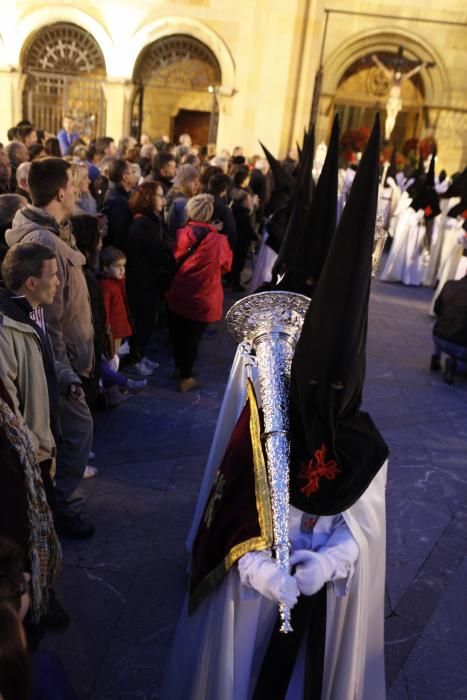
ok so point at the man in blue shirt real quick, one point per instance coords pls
(66, 136)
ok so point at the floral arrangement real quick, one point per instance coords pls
(386, 157)
(427, 147)
(354, 141)
(410, 151)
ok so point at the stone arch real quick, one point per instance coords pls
(35, 21)
(185, 26)
(435, 80)
(178, 62)
(63, 47)
(64, 67)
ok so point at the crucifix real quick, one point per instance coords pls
(395, 74)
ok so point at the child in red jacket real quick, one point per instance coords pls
(113, 282)
(113, 263)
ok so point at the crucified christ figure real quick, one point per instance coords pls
(396, 77)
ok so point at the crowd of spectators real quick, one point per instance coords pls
(99, 243)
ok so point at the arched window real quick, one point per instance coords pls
(65, 68)
(178, 61)
(172, 76)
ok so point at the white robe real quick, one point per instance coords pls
(451, 259)
(437, 241)
(264, 264)
(406, 262)
(218, 649)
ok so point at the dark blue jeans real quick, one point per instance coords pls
(459, 352)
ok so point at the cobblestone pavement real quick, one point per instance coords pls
(123, 588)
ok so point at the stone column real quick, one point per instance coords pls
(11, 87)
(117, 92)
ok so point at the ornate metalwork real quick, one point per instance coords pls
(178, 61)
(381, 235)
(271, 323)
(66, 49)
(65, 67)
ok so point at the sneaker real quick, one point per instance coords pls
(75, 526)
(449, 371)
(150, 363)
(139, 368)
(124, 349)
(136, 385)
(90, 472)
(56, 617)
(187, 384)
(116, 395)
(435, 364)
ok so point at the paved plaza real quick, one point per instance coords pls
(124, 587)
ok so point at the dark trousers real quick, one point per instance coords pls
(186, 336)
(144, 313)
(239, 260)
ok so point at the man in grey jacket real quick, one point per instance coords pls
(70, 327)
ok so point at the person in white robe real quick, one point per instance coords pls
(222, 639)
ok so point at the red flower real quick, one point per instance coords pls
(427, 146)
(314, 471)
(428, 211)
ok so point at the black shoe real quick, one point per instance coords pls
(450, 367)
(57, 617)
(75, 526)
(435, 364)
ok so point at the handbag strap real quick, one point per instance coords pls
(192, 249)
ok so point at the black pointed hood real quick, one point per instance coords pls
(336, 448)
(299, 209)
(392, 170)
(459, 209)
(426, 197)
(458, 186)
(312, 248)
(283, 180)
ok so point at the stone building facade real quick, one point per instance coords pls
(234, 73)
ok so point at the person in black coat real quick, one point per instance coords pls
(116, 207)
(149, 261)
(242, 209)
(450, 329)
(222, 218)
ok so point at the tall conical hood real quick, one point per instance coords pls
(299, 210)
(336, 449)
(426, 197)
(282, 179)
(392, 170)
(458, 186)
(311, 251)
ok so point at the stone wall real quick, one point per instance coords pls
(268, 52)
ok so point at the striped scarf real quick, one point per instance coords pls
(44, 548)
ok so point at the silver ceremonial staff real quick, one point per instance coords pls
(271, 322)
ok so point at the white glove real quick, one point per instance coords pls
(312, 572)
(259, 571)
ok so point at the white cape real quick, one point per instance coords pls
(217, 650)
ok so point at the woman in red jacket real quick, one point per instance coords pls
(196, 295)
